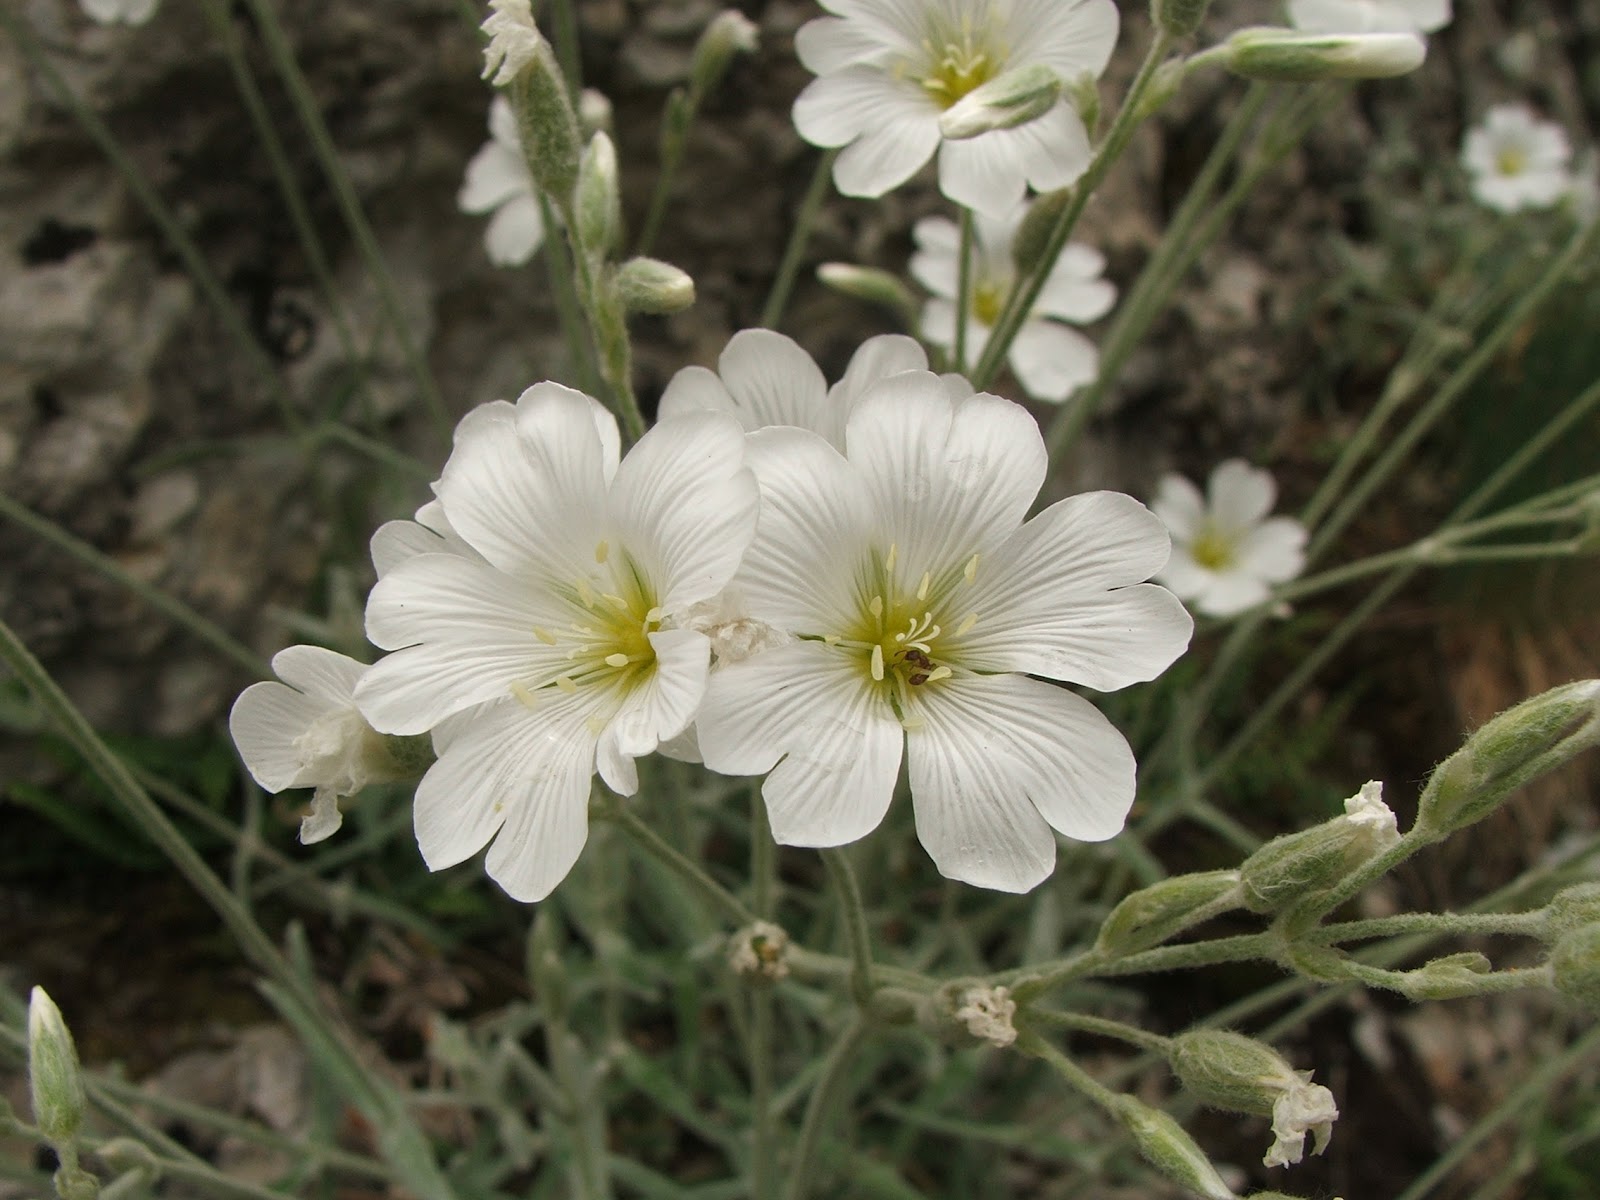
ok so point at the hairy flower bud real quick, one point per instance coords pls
(648, 285)
(870, 284)
(595, 114)
(1239, 1074)
(598, 199)
(1288, 56)
(730, 33)
(1575, 966)
(521, 61)
(1298, 865)
(1514, 748)
(1449, 978)
(1178, 18)
(1163, 910)
(54, 1078)
(1034, 233)
(1165, 1146)
(1020, 95)
(1571, 908)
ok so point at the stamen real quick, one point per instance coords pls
(875, 606)
(617, 660)
(894, 557)
(544, 635)
(596, 725)
(967, 622)
(912, 723)
(602, 552)
(877, 663)
(616, 602)
(521, 692)
(565, 683)
(831, 639)
(653, 617)
(922, 588)
(938, 673)
(971, 572)
(585, 593)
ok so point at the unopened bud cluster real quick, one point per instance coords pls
(1239, 1074)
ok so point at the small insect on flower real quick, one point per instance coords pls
(1226, 553)
(888, 71)
(1516, 161)
(920, 607)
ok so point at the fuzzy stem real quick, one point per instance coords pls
(963, 292)
(825, 1094)
(847, 893)
(799, 238)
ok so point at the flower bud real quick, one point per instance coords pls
(1170, 1150)
(1519, 745)
(1571, 908)
(1289, 56)
(595, 114)
(521, 61)
(730, 33)
(1239, 1074)
(1083, 93)
(1299, 865)
(1449, 978)
(1020, 95)
(760, 952)
(1178, 18)
(598, 198)
(648, 285)
(870, 284)
(1575, 966)
(1033, 235)
(54, 1078)
(1163, 910)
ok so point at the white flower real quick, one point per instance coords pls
(498, 180)
(920, 605)
(127, 12)
(309, 734)
(552, 649)
(514, 40)
(888, 69)
(1302, 1107)
(764, 378)
(1050, 360)
(1225, 554)
(989, 1013)
(1517, 161)
(1367, 811)
(1369, 16)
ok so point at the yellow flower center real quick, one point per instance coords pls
(960, 60)
(608, 640)
(1512, 160)
(988, 299)
(1212, 550)
(906, 630)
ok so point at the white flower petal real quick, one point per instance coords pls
(494, 176)
(1182, 575)
(829, 44)
(936, 263)
(1074, 37)
(949, 480)
(515, 232)
(1274, 551)
(1071, 296)
(1230, 593)
(1051, 361)
(1001, 760)
(686, 507)
(989, 172)
(799, 572)
(836, 109)
(1180, 506)
(322, 674)
(531, 498)
(324, 818)
(1239, 495)
(503, 125)
(878, 358)
(266, 720)
(656, 711)
(696, 389)
(839, 741)
(774, 382)
(890, 152)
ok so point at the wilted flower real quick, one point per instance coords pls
(553, 650)
(921, 607)
(1369, 16)
(1050, 360)
(1517, 161)
(514, 40)
(123, 12)
(764, 378)
(498, 181)
(309, 734)
(1226, 554)
(888, 70)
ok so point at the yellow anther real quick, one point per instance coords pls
(875, 606)
(831, 639)
(937, 674)
(877, 663)
(544, 635)
(653, 617)
(602, 552)
(596, 726)
(971, 572)
(585, 593)
(566, 684)
(911, 724)
(521, 692)
(922, 588)
(616, 602)
(616, 660)
(894, 556)
(967, 622)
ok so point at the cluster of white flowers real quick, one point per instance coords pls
(822, 581)
(1515, 162)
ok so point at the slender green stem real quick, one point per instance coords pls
(310, 113)
(648, 840)
(1526, 924)
(564, 20)
(963, 292)
(176, 611)
(829, 1091)
(1102, 1026)
(676, 118)
(799, 239)
(159, 212)
(847, 894)
(1025, 292)
(1185, 956)
(763, 1147)
(1081, 1081)
(397, 460)
(569, 310)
